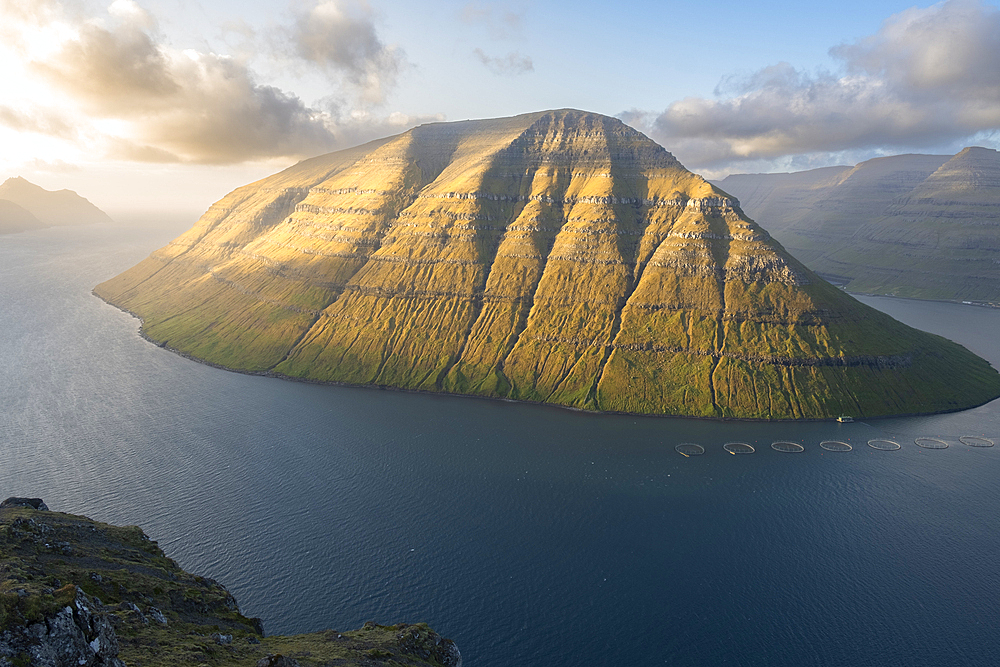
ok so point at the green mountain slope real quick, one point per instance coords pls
(921, 226)
(558, 257)
(782, 199)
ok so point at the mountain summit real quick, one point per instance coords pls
(558, 257)
(24, 205)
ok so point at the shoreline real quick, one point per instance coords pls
(334, 383)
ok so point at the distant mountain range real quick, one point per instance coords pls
(24, 206)
(558, 257)
(920, 226)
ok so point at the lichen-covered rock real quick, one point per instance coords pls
(421, 641)
(277, 661)
(78, 635)
(34, 503)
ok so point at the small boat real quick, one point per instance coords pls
(844, 419)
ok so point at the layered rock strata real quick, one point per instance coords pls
(923, 226)
(558, 257)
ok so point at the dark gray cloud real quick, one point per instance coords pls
(341, 38)
(929, 76)
(511, 65)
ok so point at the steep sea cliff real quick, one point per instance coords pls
(76, 592)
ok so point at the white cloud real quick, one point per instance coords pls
(501, 20)
(124, 92)
(340, 37)
(512, 64)
(928, 77)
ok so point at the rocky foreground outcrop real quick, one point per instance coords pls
(557, 257)
(78, 593)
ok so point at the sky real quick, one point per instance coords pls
(167, 105)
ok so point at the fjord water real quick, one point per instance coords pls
(531, 535)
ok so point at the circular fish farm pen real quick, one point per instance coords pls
(976, 441)
(931, 443)
(738, 448)
(835, 446)
(689, 449)
(884, 445)
(787, 447)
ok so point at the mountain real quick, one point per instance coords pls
(49, 208)
(781, 199)
(923, 226)
(557, 257)
(80, 592)
(14, 218)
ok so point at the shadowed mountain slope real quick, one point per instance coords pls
(922, 226)
(14, 218)
(48, 208)
(557, 257)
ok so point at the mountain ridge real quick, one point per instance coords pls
(45, 208)
(930, 228)
(557, 257)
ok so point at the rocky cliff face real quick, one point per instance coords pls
(923, 226)
(559, 257)
(78, 593)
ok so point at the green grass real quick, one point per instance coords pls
(46, 556)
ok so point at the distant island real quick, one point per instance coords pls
(80, 592)
(918, 226)
(24, 206)
(558, 257)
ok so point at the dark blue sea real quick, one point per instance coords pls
(532, 536)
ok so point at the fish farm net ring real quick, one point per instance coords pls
(835, 446)
(976, 441)
(738, 448)
(689, 449)
(789, 447)
(931, 443)
(885, 445)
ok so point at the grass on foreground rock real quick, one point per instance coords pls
(125, 601)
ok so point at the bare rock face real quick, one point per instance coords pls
(33, 503)
(421, 641)
(78, 635)
(558, 257)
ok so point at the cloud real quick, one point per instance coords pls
(501, 21)
(929, 76)
(40, 121)
(340, 37)
(136, 98)
(512, 64)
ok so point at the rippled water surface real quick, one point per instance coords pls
(531, 535)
